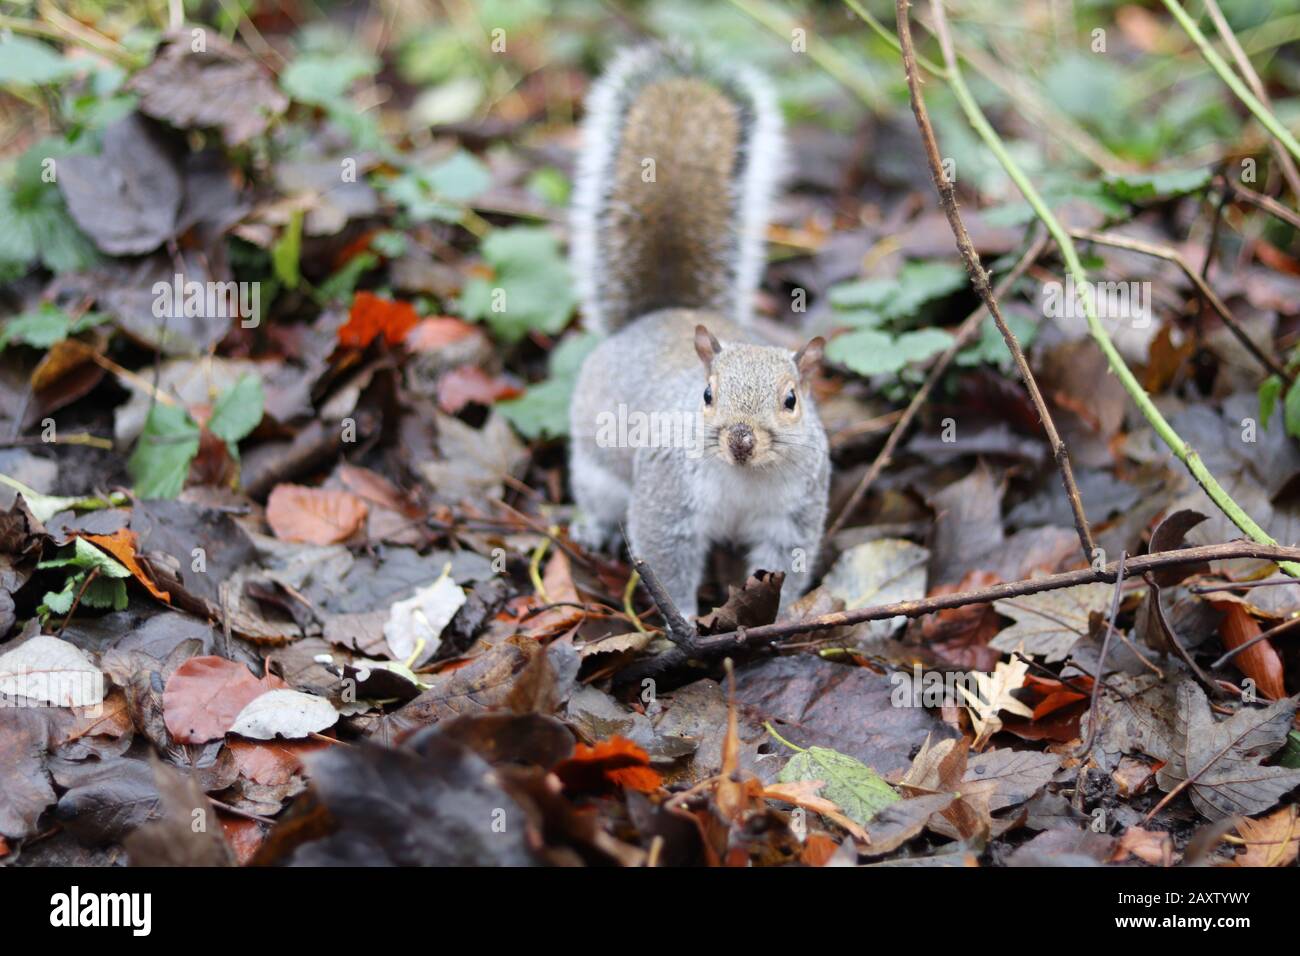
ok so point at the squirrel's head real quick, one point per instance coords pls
(753, 401)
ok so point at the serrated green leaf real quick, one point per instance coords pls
(873, 352)
(1142, 187)
(459, 178)
(237, 412)
(46, 326)
(106, 594)
(850, 784)
(60, 602)
(163, 453)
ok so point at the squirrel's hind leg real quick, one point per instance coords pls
(602, 498)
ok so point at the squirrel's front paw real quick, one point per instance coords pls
(593, 535)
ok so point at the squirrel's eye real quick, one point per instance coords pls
(708, 394)
(789, 400)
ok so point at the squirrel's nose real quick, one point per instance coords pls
(740, 441)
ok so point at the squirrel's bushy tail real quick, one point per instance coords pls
(678, 165)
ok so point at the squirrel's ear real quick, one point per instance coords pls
(809, 357)
(706, 346)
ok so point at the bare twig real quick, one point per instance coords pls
(1094, 715)
(1208, 294)
(948, 197)
(1261, 201)
(961, 336)
(717, 644)
(678, 629)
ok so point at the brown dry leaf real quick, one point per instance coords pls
(1150, 846)
(1050, 622)
(121, 545)
(1260, 663)
(803, 793)
(205, 695)
(1273, 840)
(314, 515)
(994, 695)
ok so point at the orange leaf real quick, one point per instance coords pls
(121, 545)
(372, 316)
(1260, 663)
(314, 515)
(616, 762)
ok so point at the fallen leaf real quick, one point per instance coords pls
(314, 515)
(1260, 663)
(1048, 623)
(1222, 758)
(206, 694)
(1273, 840)
(284, 713)
(121, 544)
(993, 694)
(848, 783)
(372, 316)
(610, 764)
(52, 671)
(414, 626)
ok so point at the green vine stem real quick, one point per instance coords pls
(1217, 63)
(1181, 450)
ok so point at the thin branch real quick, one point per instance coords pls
(979, 278)
(1285, 627)
(1094, 715)
(678, 629)
(1272, 365)
(1189, 457)
(1261, 201)
(1262, 112)
(1284, 160)
(964, 333)
(718, 644)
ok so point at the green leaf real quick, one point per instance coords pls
(106, 594)
(530, 290)
(1141, 187)
(1269, 391)
(162, 455)
(991, 347)
(1290, 756)
(441, 191)
(27, 62)
(1291, 411)
(324, 78)
(237, 412)
(34, 221)
(863, 294)
(46, 326)
(60, 602)
(87, 557)
(873, 352)
(850, 784)
(287, 251)
(459, 178)
(543, 410)
(550, 186)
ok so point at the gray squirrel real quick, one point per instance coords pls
(680, 424)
